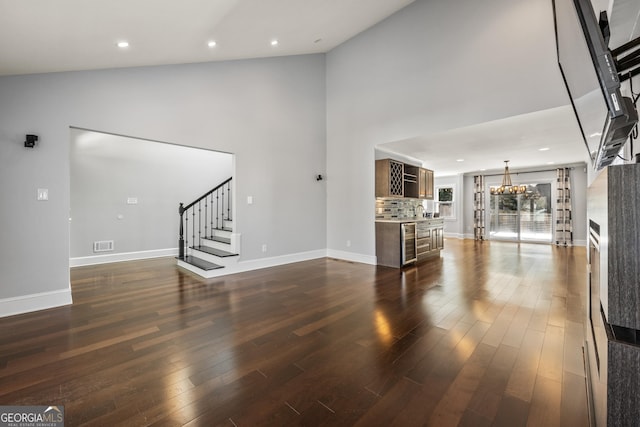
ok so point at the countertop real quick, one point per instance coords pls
(403, 220)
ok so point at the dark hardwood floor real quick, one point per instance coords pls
(490, 334)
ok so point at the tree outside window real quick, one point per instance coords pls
(444, 202)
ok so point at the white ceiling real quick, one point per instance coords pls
(486, 145)
(519, 138)
(40, 36)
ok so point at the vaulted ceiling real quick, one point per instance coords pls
(40, 36)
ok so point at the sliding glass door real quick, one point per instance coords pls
(504, 217)
(523, 217)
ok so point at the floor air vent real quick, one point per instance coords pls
(103, 246)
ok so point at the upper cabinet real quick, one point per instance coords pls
(425, 182)
(389, 178)
(397, 179)
(429, 184)
(411, 184)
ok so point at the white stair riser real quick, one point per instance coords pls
(216, 245)
(233, 247)
(192, 268)
(222, 233)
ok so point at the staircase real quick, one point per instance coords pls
(207, 241)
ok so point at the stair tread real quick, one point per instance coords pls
(214, 251)
(219, 239)
(223, 228)
(200, 263)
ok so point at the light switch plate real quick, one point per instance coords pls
(132, 200)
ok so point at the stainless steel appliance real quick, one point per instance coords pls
(408, 246)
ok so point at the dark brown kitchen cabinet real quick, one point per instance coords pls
(399, 243)
(423, 240)
(389, 178)
(429, 238)
(411, 182)
(425, 181)
(397, 179)
(395, 243)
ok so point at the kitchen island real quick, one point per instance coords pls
(404, 241)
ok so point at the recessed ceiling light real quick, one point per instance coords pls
(460, 160)
(212, 43)
(482, 170)
(544, 149)
(550, 163)
(122, 44)
(274, 42)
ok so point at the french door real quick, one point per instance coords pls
(526, 217)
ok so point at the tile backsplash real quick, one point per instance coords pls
(390, 208)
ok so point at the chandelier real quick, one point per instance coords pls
(507, 187)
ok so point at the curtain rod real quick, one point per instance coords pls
(518, 173)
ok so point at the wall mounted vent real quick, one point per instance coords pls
(103, 246)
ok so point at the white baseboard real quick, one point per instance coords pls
(454, 236)
(34, 302)
(124, 256)
(352, 256)
(575, 242)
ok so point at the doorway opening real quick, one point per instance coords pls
(125, 193)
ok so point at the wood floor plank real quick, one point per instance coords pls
(500, 326)
(514, 336)
(524, 373)
(574, 406)
(491, 387)
(552, 355)
(483, 335)
(545, 403)
(454, 402)
(393, 402)
(540, 317)
(573, 360)
(512, 412)
(471, 419)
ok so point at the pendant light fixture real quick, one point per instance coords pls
(507, 186)
(506, 178)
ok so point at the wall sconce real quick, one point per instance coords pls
(31, 141)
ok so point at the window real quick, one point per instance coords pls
(444, 202)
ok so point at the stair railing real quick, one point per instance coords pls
(208, 213)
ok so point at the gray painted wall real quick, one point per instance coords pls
(270, 113)
(107, 170)
(412, 75)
